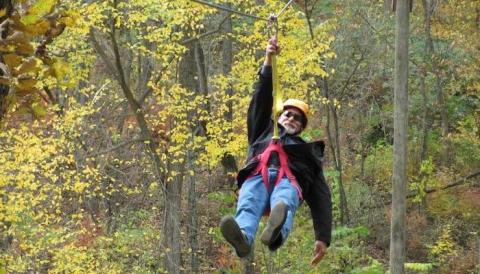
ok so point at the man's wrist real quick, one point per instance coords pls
(266, 70)
(268, 60)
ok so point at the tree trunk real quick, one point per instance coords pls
(423, 75)
(424, 91)
(200, 86)
(135, 107)
(477, 21)
(172, 234)
(187, 68)
(228, 161)
(345, 216)
(4, 89)
(441, 106)
(334, 144)
(443, 120)
(397, 229)
(192, 227)
(171, 190)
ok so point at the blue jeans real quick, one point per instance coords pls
(255, 198)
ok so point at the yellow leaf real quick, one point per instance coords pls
(39, 110)
(68, 21)
(60, 69)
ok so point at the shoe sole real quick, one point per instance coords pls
(234, 235)
(274, 224)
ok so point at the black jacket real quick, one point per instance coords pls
(305, 159)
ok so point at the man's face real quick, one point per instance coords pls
(291, 120)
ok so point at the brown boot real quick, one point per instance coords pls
(234, 235)
(275, 222)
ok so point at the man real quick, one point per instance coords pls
(278, 175)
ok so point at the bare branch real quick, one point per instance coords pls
(151, 146)
(103, 55)
(118, 146)
(230, 10)
(461, 181)
(203, 35)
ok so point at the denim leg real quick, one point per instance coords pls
(251, 203)
(286, 193)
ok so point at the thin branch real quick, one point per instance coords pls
(116, 170)
(144, 96)
(351, 74)
(118, 146)
(136, 108)
(49, 94)
(189, 40)
(103, 54)
(230, 10)
(461, 181)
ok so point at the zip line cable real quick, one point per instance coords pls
(243, 13)
(284, 9)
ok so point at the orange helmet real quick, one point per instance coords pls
(300, 105)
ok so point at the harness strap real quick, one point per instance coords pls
(284, 169)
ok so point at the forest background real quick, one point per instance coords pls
(123, 124)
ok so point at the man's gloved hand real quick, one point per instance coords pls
(272, 49)
(320, 251)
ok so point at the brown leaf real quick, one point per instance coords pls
(26, 84)
(18, 37)
(57, 30)
(4, 81)
(39, 28)
(6, 48)
(12, 60)
(25, 49)
(30, 65)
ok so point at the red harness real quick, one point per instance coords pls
(284, 169)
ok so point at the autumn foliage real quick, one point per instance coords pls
(122, 124)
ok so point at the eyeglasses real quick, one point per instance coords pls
(297, 117)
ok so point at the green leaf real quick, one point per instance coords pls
(37, 11)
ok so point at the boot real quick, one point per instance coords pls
(234, 235)
(275, 222)
(276, 244)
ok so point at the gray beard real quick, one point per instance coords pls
(289, 129)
